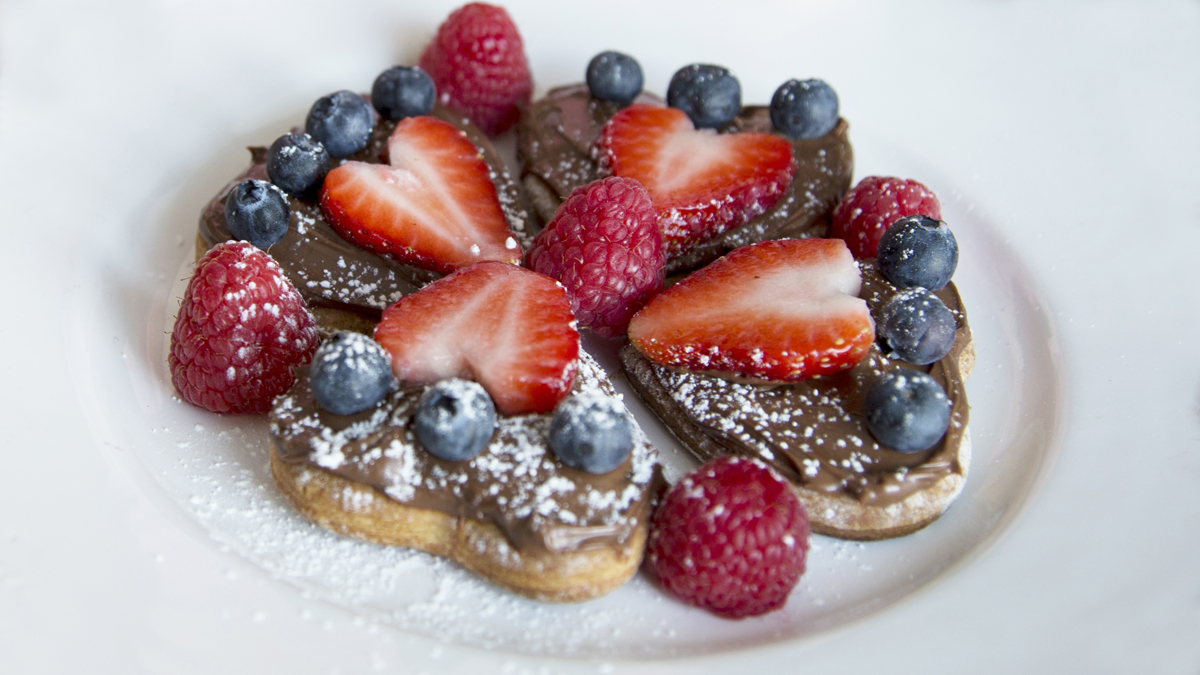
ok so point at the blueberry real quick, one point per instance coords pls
(403, 91)
(350, 372)
(455, 419)
(907, 411)
(804, 109)
(297, 163)
(710, 95)
(591, 433)
(918, 326)
(257, 212)
(613, 76)
(342, 122)
(918, 251)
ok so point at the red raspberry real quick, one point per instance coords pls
(477, 61)
(603, 244)
(730, 537)
(870, 208)
(241, 329)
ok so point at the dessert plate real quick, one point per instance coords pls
(210, 472)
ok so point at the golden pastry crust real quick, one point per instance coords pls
(362, 512)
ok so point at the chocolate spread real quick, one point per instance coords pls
(813, 432)
(554, 148)
(330, 271)
(515, 483)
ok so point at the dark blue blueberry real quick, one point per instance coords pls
(455, 419)
(804, 109)
(342, 122)
(591, 433)
(613, 76)
(907, 411)
(918, 327)
(257, 212)
(710, 95)
(297, 163)
(918, 251)
(403, 91)
(350, 372)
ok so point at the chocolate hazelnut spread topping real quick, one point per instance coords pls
(554, 146)
(330, 271)
(515, 483)
(814, 432)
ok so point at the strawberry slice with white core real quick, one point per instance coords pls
(777, 311)
(433, 205)
(701, 183)
(509, 329)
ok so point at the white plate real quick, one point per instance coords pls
(214, 469)
(1052, 150)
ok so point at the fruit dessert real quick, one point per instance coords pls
(845, 376)
(473, 428)
(721, 175)
(530, 474)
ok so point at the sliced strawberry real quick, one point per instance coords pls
(433, 206)
(701, 183)
(778, 310)
(503, 326)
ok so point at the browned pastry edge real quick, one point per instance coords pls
(362, 512)
(834, 514)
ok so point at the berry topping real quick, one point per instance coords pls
(701, 183)
(870, 207)
(604, 246)
(342, 122)
(350, 372)
(403, 91)
(710, 95)
(455, 419)
(918, 251)
(297, 163)
(804, 108)
(781, 310)
(731, 537)
(503, 326)
(477, 61)
(907, 411)
(434, 206)
(257, 212)
(591, 433)
(240, 330)
(918, 327)
(613, 76)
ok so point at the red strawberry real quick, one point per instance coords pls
(503, 326)
(477, 61)
(433, 206)
(241, 329)
(780, 310)
(701, 183)
(870, 208)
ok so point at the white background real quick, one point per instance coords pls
(1075, 127)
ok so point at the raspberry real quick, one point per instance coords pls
(241, 329)
(604, 246)
(730, 537)
(870, 208)
(477, 61)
